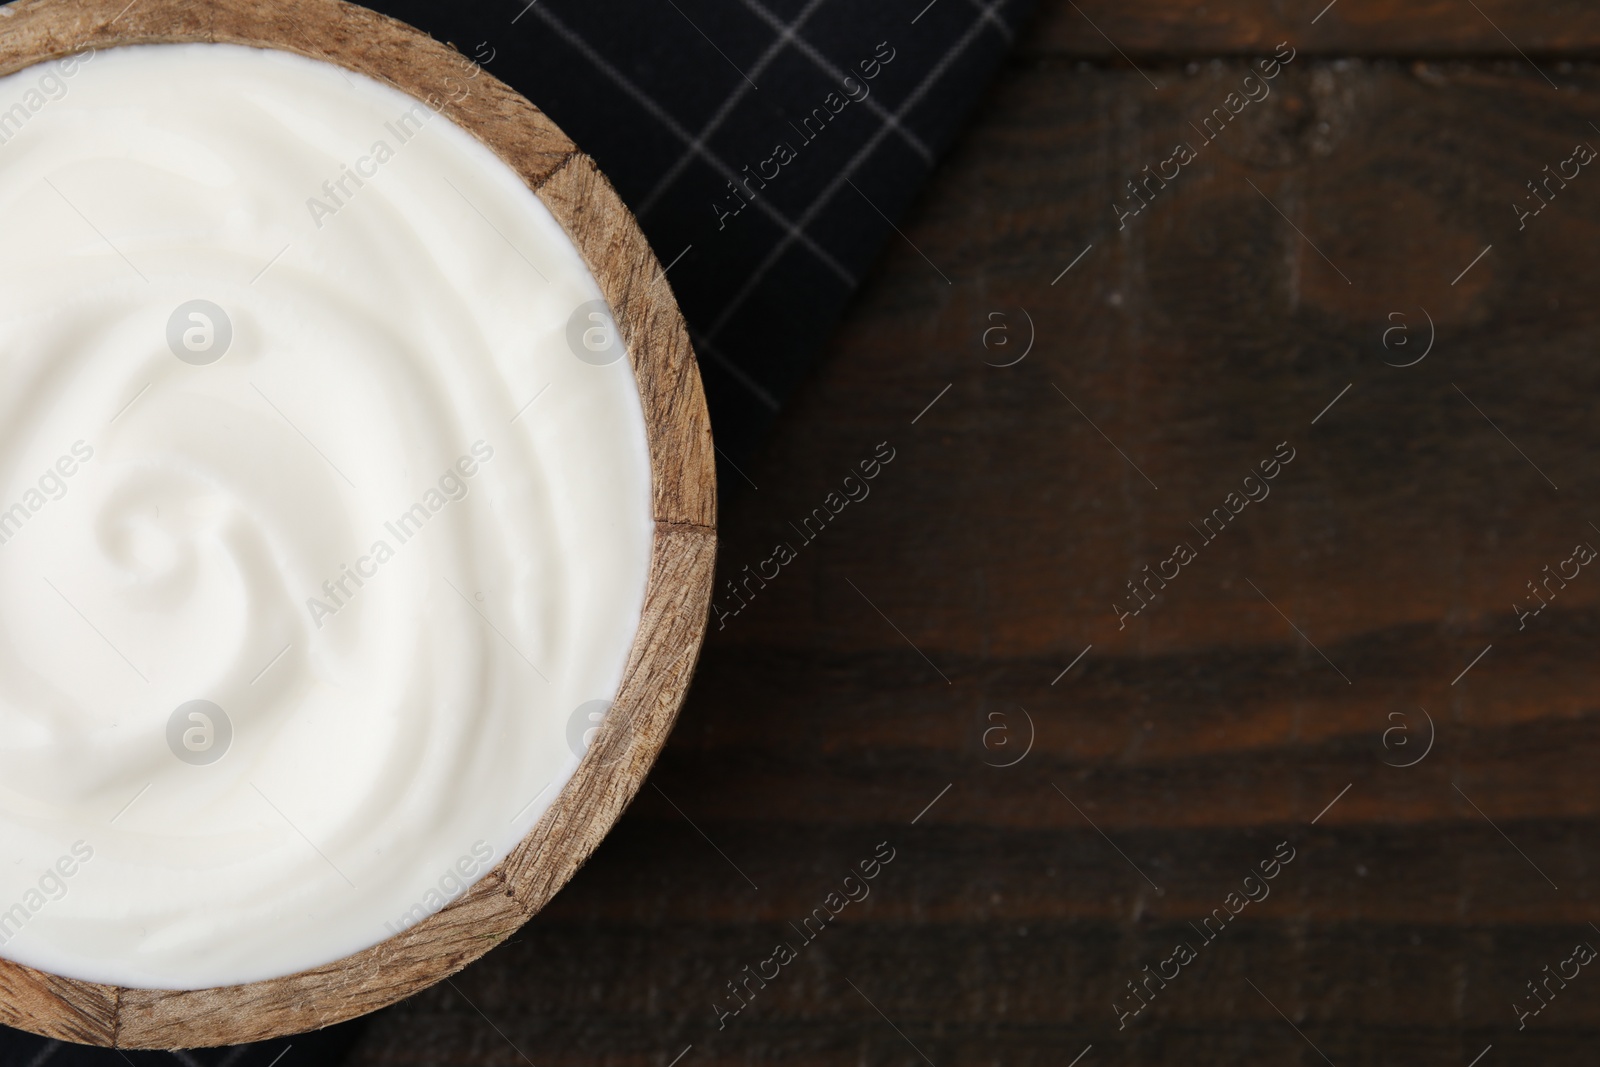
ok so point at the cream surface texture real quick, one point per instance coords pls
(324, 513)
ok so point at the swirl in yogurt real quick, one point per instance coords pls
(317, 529)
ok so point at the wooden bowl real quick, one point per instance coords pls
(677, 595)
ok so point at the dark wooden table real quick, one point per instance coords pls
(1267, 696)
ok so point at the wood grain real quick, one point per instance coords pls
(1432, 29)
(678, 587)
(1208, 731)
(631, 280)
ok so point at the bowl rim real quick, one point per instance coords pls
(675, 615)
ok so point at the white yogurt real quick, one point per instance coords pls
(323, 549)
